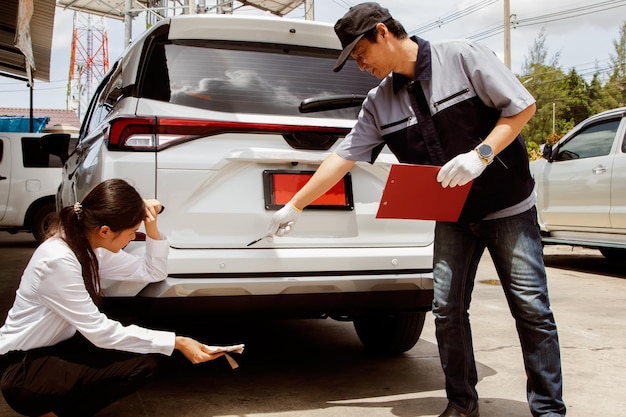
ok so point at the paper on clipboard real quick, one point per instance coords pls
(413, 192)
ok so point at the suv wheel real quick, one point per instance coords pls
(613, 253)
(43, 218)
(390, 333)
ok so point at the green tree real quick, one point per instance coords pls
(543, 78)
(599, 98)
(616, 86)
(577, 106)
(563, 100)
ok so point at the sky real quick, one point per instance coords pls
(584, 42)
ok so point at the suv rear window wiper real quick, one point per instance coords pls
(314, 104)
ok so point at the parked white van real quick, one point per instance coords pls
(29, 180)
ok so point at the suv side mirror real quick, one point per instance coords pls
(57, 144)
(546, 151)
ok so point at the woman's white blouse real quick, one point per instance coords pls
(52, 303)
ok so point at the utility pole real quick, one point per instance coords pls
(507, 33)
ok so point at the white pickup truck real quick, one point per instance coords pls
(581, 186)
(29, 180)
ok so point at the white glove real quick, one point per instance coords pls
(283, 220)
(461, 169)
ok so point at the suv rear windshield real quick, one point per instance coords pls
(250, 78)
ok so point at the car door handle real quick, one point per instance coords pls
(600, 169)
(2, 178)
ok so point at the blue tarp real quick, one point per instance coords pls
(22, 124)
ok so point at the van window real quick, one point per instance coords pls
(33, 155)
(248, 78)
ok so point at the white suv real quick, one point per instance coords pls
(581, 186)
(223, 118)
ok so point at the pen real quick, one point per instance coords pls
(255, 241)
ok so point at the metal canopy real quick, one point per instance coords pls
(17, 48)
(117, 8)
(128, 9)
(277, 7)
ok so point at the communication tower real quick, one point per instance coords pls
(89, 60)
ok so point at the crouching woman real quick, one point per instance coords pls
(61, 356)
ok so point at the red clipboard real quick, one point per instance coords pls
(412, 192)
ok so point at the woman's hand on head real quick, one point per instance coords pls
(153, 208)
(195, 351)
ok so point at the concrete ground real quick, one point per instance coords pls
(317, 368)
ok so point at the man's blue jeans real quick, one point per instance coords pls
(515, 247)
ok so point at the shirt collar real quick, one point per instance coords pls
(423, 70)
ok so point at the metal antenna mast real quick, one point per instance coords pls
(89, 60)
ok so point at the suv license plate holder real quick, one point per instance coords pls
(279, 186)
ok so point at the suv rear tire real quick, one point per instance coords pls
(390, 333)
(613, 254)
(42, 219)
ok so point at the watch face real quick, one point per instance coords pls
(485, 151)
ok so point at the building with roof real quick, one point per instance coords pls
(58, 119)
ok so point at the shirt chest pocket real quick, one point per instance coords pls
(451, 99)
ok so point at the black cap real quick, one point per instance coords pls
(354, 24)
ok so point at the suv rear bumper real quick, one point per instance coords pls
(292, 296)
(311, 283)
(284, 271)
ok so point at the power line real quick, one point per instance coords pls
(600, 68)
(571, 13)
(452, 17)
(343, 3)
(551, 17)
(34, 89)
(12, 83)
(540, 19)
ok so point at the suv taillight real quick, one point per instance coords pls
(132, 133)
(155, 133)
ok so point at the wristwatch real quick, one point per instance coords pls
(485, 153)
